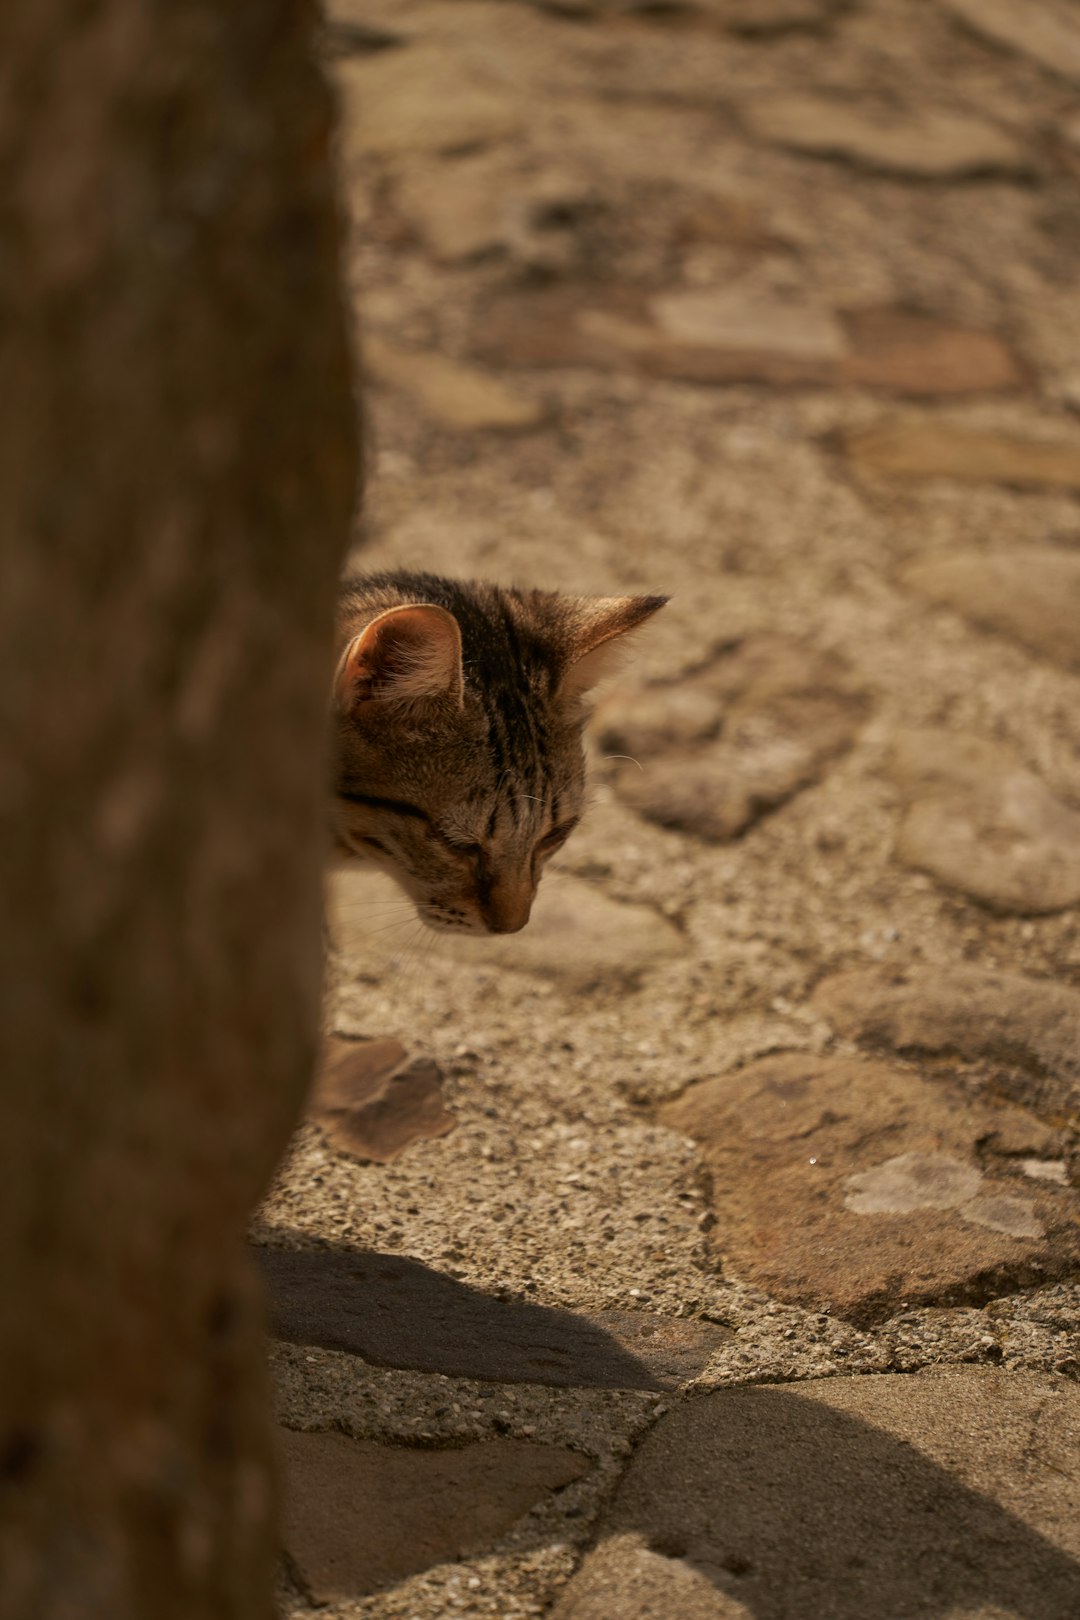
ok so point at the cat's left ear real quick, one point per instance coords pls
(405, 655)
(602, 621)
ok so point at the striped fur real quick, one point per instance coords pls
(460, 774)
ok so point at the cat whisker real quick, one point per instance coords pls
(403, 949)
(400, 907)
(415, 955)
(377, 902)
(630, 757)
(382, 907)
(427, 951)
(388, 928)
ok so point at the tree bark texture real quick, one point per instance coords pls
(177, 471)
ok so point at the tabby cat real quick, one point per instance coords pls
(458, 719)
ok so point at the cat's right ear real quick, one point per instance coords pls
(597, 638)
(405, 655)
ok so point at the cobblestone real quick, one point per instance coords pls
(760, 1213)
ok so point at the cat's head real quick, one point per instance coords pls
(459, 711)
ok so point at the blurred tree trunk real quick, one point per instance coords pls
(177, 469)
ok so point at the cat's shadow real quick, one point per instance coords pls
(789, 1507)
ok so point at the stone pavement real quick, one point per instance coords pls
(711, 1249)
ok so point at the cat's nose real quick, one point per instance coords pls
(506, 907)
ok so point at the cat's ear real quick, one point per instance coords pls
(404, 655)
(601, 622)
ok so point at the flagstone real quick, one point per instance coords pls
(395, 1312)
(983, 824)
(1047, 31)
(711, 753)
(1029, 1029)
(924, 447)
(857, 1187)
(449, 392)
(1029, 593)
(923, 144)
(419, 99)
(373, 1102)
(953, 1491)
(358, 1515)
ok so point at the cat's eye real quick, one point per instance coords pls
(396, 807)
(470, 852)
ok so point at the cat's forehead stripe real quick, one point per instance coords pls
(512, 656)
(497, 744)
(517, 735)
(519, 754)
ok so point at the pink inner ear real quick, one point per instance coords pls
(406, 654)
(590, 668)
(605, 621)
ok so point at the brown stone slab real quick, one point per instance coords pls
(456, 396)
(922, 144)
(762, 760)
(459, 209)
(618, 330)
(359, 1516)
(719, 368)
(1047, 31)
(491, 203)
(714, 752)
(373, 1104)
(1029, 1028)
(950, 1493)
(932, 758)
(420, 100)
(1012, 846)
(353, 1071)
(900, 352)
(983, 824)
(750, 17)
(920, 447)
(547, 329)
(733, 319)
(856, 1186)
(728, 337)
(766, 17)
(1031, 594)
(396, 1312)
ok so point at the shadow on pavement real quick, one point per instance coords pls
(799, 1511)
(397, 1312)
(776, 1503)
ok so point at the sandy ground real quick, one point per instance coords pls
(500, 157)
